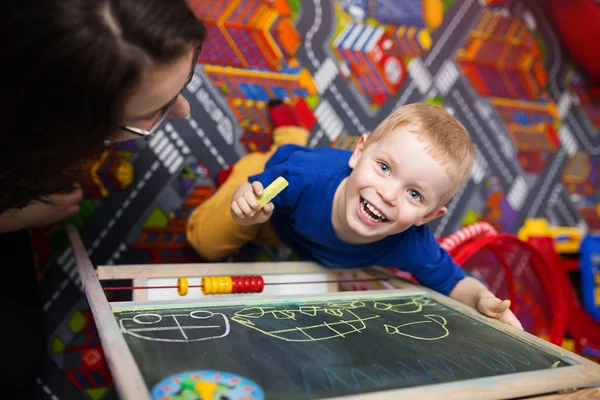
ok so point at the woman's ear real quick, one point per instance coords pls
(358, 150)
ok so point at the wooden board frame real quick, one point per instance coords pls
(130, 384)
(171, 270)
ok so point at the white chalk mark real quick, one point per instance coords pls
(179, 326)
(128, 326)
(173, 328)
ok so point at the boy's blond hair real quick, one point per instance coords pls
(448, 140)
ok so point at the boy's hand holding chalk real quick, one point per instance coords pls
(251, 204)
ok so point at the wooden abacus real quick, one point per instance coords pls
(224, 284)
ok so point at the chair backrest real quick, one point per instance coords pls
(514, 270)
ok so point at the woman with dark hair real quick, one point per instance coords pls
(75, 75)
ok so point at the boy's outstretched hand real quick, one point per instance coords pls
(245, 208)
(475, 294)
(494, 307)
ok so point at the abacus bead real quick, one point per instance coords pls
(238, 284)
(235, 284)
(260, 285)
(206, 285)
(182, 286)
(243, 284)
(256, 284)
(225, 285)
(216, 285)
(252, 284)
(247, 284)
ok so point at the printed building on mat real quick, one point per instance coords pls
(109, 173)
(417, 13)
(531, 126)
(248, 90)
(591, 216)
(526, 113)
(581, 175)
(248, 33)
(589, 101)
(412, 41)
(498, 211)
(373, 58)
(77, 351)
(501, 58)
(261, 140)
(168, 244)
(249, 55)
(409, 22)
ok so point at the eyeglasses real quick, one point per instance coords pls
(156, 121)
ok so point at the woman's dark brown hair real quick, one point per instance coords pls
(66, 68)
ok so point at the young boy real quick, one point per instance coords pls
(346, 209)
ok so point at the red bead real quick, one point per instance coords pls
(235, 284)
(259, 284)
(247, 284)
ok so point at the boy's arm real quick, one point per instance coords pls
(439, 272)
(473, 293)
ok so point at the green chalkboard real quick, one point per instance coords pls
(319, 348)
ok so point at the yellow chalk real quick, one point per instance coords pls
(555, 364)
(271, 191)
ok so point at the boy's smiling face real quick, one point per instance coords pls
(394, 184)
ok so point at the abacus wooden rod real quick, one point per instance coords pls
(117, 288)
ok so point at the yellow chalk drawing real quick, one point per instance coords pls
(352, 305)
(311, 323)
(329, 327)
(397, 330)
(411, 306)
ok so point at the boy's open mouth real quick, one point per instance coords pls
(371, 213)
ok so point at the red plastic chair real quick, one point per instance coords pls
(517, 271)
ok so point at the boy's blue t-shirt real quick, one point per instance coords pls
(302, 219)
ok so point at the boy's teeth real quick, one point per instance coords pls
(367, 206)
(374, 210)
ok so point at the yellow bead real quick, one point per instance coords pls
(226, 285)
(182, 286)
(216, 285)
(206, 285)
